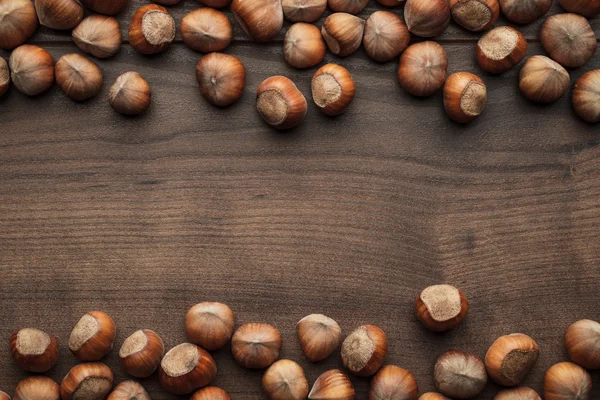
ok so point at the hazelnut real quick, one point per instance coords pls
(93, 336)
(510, 358)
(567, 381)
(459, 375)
(185, 368)
(206, 30)
(393, 383)
(59, 14)
(215, 3)
(33, 350)
(210, 325)
(108, 7)
(303, 46)
(332, 385)
(391, 3)
(386, 36)
(78, 78)
(475, 15)
(364, 350)
(90, 381)
(283, 106)
(167, 2)
(4, 77)
(319, 336)
(37, 388)
(141, 353)
(260, 19)
(569, 39)
(433, 396)
(18, 22)
(519, 393)
(347, 6)
(303, 10)
(130, 94)
(31, 69)
(524, 11)
(222, 79)
(285, 380)
(500, 49)
(465, 96)
(129, 390)
(422, 70)
(343, 33)
(98, 35)
(441, 307)
(427, 18)
(4, 396)
(586, 97)
(210, 393)
(256, 345)
(582, 339)
(543, 80)
(332, 89)
(152, 29)
(587, 8)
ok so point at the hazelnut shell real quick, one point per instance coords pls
(130, 94)
(500, 49)
(332, 385)
(141, 353)
(303, 46)
(569, 39)
(37, 388)
(459, 375)
(385, 36)
(78, 78)
(210, 393)
(210, 324)
(423, 68)
(152, 29)
(4, 77)
(129, 390)
(510, 358)
(283, 106)
(260, 19)
(319, 336)
(333, 89)
(343, 33)
(347, 6)
(393, 383)
(285, 380)
(566, 381)
(107, 7)
(475, 15)
(59, 14)
(93, 336)
(256, 345)
(34, 350)
(31, 69)
(465, 97)
(95, 380)
(206, 30)
(426, 18)
(524, 11)
(364, 350)
(442, 307)
(582, 339)
(519, 393)
(98, 35)
(587, 8)
(303, 10)
(185, 368)
(19, 22)
(543, 80)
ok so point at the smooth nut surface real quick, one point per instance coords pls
(543, 80)
(88, 381)
(141, 353)
(98, 35)
(393, 383)
(18, 22)
(37, 388)
(333, 89)
(443, 307)
(423, 68)
(303, 45)
(427, 18)
(459, 375)
(129, 390)
(475, 15)
(256, 345)
(569, 39)
(59, 14)
(32, 349)
(206, 30)
(582, 339)
(510, 358)
(303, 10)
(385, 36)
(567, 381)
(130, 94)
(319, 336)
(31, 69)
(78, 77)
(283, 106)
(222, 79)
(343, 33)
(285, 380)
(524, 11)
(500, 49)
(519, 393)
(332, 385)
(364, 350)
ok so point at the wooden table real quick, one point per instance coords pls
(350, 216)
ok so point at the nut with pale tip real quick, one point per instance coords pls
(210, 393)
(427, 18)
(129, 390)
(393, 383)
(364, 350)
(89, 381)
(567, 381)
(385, 36)
(569, 39)
(475, 15)
(423, 68)
(141, 353)
(459, 375)
(433, 396)
(582, 339)
(282, 106)
(442, 307)
(257, 345)
(78, 78)
(518, 393)
(500, 49)
(222, 79)
(319, 336)
(510, 358)
(587, 8)
(303, 46)
(206, 30)
(285, 380)
(130, 94)
(332, 385)
(343, 33)
(185, 368)
(59, 14)
(347, 6)
(31, 69)
(107, 7)
(586, 103)
(32, 349)
(98, 35)
(260, 19)
(303, 10)
(4, 77)
(210, 324)
(333, 89)
(543, 80)
(93, 336)
(152, 29)
(465, 97)
(19, 22)
(37, 388)
(524, 11)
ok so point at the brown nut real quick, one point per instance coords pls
(391, 3)
(98, 35)
(319, 336)
(93, 336)
(567, 381)
(433, 396)
(206, 30)
(256, 345)
(4, 77)
(364, 350)
(510, 358)
(442, 307)
(167, 2)
(586, 103)
(332, 89)
(129, 390)
(393, 383)
(108, 7)
(569, 39)
(4, 396)
(33, 350)
(343, 33)
(90, 381)
(222, 79)
(582, 339)
(386, 36)
(78, 78)
(519, 393)
(459, 375)
(303, 10)
(465, 96)
(19, 21)
(152, 29)
(427, 18)
(141, 353)
(332, 385)
(130, 94)
(37, 388)
(283, 106)
(59, 14)
(524, 11)
(210, 393)
(185, 368)
(423, 68)
(285, 380)
(500, 49)
(543, 80)
(215, 3)
(260, 19)
(303, 46)
(347, 6)
(475, 15)
(587, 8)
(31, 69)
(210, 325)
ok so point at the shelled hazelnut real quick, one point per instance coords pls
(90, 381)
(433, 396)
(130, 94)
(215, 3)
(98, 35)
(524, 11)
(332, 385)
(303, 10)
(19, 22)
(587, 8)
(332, 89)
(107, 7)
(141, 353)
(303, 46)
(364, 350)
(31, 69)
(283, 106)
(475, 15)
(206, 30)
(343, 33)
(222, 79)
(93, 336)
(582, 339)
(59, 14)
(465, 97)
(391, 3)
(459, 375)
(4, 77)
(519, 393)
(385, 36)
(33, 350)
(569, 39)
(347, 6)
(500, 49)
(567, 381)
(510, 358)
(443, 307)
(185, 368)
(78, 78)
(543, 80)
(209, 324)
(285, 380)
(256, 345)
(210, 393)
(426, 18)
(260, 19)
(37, 388)
(423, 68)
(319, 336)
(129, 390)
(393, 383)
(152, 29)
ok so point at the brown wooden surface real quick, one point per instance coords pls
(352, 216)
